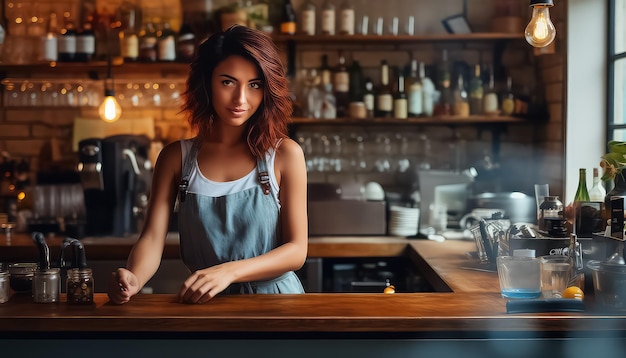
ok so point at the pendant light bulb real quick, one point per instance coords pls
(110, 110)
(540, 31)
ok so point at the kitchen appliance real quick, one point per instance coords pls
(116, 175)
(443, 188)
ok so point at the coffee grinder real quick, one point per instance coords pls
(115, 174)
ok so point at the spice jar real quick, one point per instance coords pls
(47, 285)
(80, 286)
(4, 286)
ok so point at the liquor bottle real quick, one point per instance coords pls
(460, 99)
(288, 19)
(49, 44)
(356, 82)
(384, 97)
(185, 43)
(325, 71)
(329, 104)
(341, 85)
(581, 192)
(308, 18)
(346, 18)
(490, 97)
(86, 41)
(166, 43)
(508, 98)
(476, 92)
(369, 98)
(428, 92)
(597, 191)
(400, 101)
(415, 95)
(148, 43)
(67, 43)
(129, 39)
(328, 18)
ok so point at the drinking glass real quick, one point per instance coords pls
(556, 271)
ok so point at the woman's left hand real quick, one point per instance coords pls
(205, 284)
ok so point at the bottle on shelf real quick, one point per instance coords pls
(400, 101)
(288, 19)
(356, 83)
(49, 43)
(86, 41)
(428, 92)
(148, 43)
(476, 92)
(414, 90)
(328, 18)
(129, 39)
(325, 71)
(329, 103)
(581, 192)
(346, 18)
(166, 43)
(309, 13)
(369, 98)
(508, 98)
(384, 97)
(185, 43)
(444, 105)
(341, 85)
(490, 97)
(67, 42)
(460, 99)
(597, 191)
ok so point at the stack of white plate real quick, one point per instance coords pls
(403, 221)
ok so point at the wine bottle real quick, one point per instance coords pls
(444, 106)
(288, 19)
(148, 43)
(49, 44)
(86, 41)
(67, 43)
(341, 85)
(328, 18)
(346, 17)
(308, 18)
(476, 92)
(400, 104)
(581, 192)
(428, 92)
(460, 99)
(356, 82)
(384, 97)
(166, 43)
(325, 71)
(597, 191)
(185, 43)
(490, 97)
(415, 95)
(129, 39)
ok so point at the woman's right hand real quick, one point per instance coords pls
(123, 286)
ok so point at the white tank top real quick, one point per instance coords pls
(199, 184)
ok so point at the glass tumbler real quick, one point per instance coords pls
(47, 285)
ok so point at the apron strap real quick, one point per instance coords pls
(183, 186)
(264, 177)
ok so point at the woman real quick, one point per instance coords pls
(240, 185)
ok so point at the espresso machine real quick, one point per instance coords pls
(116, 176)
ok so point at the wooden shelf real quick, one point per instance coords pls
(387, 39)
(437, 120)
(93, 67)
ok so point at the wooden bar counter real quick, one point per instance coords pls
(471, 311)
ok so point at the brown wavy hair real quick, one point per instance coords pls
(269, 123)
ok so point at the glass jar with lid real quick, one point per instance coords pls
(47, 285)
(4, 285)
(80, 286)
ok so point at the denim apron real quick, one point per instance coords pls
(237, 226)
